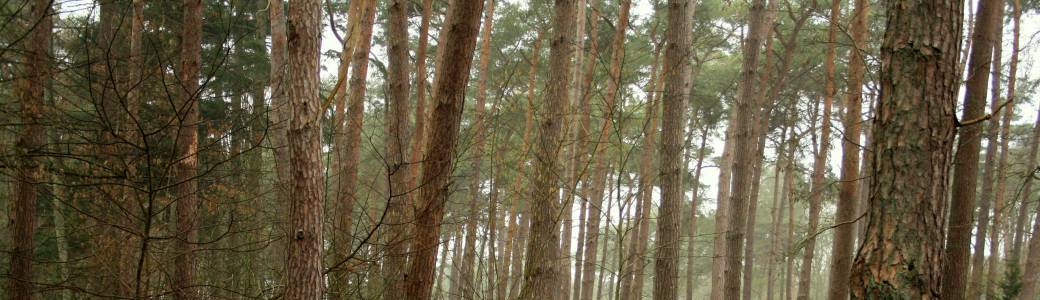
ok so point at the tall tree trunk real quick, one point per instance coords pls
(303, 267)
(676, 91)
(541, 275)
(583, 94)
(1029, 280)
(820, 161)
(30, 93)
(901, 256)
(966, 163)
(633, 261)
(600, 169)
(347, 137)
(396, 140)
(743, 152)
(1005, 130)
(573, 151)
(469, 257)
(788, 194)
(845, 213)
(638, 279)
(776, 212)
(187, 145)
(978, 284)
(279, 127)
(691, 251)
(449, 91)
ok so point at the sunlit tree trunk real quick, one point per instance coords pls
(901, 256)
(396, 141)
(994, 270)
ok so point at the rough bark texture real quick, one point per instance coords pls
(449, 92)
(743, 152)
(397, 137)
(542, 272)
(303, 267)
(29, 172)
(186, 169)
(845, 213)
(676, 91)
(901, 256)
(966, 162)
(583, 94)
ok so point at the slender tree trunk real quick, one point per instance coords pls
(347, 137)
(789, 178)
(583, 94)
(692, 230)
(633, 261)
(776, 212)
(749, 248)
(30, 93)
(743, 152)
(676, 55)
(901, 256)
(449, 91)
(303, 268)
(820, 161)
(841, 248)
(279, 132)
(966, 163)
(638, 279)
(469, 257)
(541, 275)
(600, 169)
(1005, 127)
(1029, 278)
(571, 126)
(397, 138)
(978, 284)
(187, 151)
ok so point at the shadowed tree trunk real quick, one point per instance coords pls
(676, 91)
(279, 128)
(397, 137)
(901, 256)
(303, 267)
(449, 91)
(1032, 265)
(187, 146)
(29, 172)
(542, 274)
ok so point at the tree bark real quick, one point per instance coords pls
(449, 91)
(187, 145)
(29, 169)
(966, 161)
(841, 247)
(978, 284)
(1029, 280)
(541, 275)
(743, 152)
(901, 256)
(303, 267)
(397, 137)
(676, 91)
